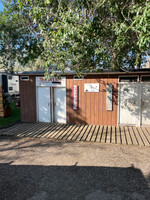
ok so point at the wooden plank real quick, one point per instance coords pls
(148, 133)
(99, 135)
(148, 130)
(78, 133)
(12, 130)
(70, 127)
(64, 137)
(21, 130)
(37, 131)
(91, 133)
(120, 134)
(140, 142)
(78, 138)
(134, 139)
(94, 136)
(118, 139)
(113, 138)
(58, 130)
(104, 134)
(123, 138)
(62, 132)
(30, 130)
(7, 129)
(45, 129)
(48, 127)
(49, 131)
(86, 133)
(144, 139)
(73, 132)
(108, 136)
(128, 138)
(147, 136)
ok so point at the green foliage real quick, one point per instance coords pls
(15, 116)
(6, 101)
(18, 36)
(79, 35)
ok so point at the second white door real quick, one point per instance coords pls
(60, 105)
(128, 103)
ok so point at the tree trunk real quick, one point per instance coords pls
(139, 62)
(114, 62)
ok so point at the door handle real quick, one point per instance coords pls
(48, 104)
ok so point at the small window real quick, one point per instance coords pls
(10, 88)
(145, 78)
(24, 78)
(128, 79)
(10, 77)
(56, 82)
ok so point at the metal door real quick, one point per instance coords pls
(128, 103)
(44, 104)
(145, 104)
(60, 105)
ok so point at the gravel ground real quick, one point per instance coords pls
(42, 169)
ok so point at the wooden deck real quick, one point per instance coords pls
(90, 133)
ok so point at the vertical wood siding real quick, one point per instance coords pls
(1, 102)
(28, 99)
(92, 105)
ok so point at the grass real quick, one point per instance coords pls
(15, 116)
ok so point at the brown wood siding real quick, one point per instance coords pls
(92, 105)
(28, 99)
(1, 102)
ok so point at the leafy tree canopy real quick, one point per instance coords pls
(79, 34)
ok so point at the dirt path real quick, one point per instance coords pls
(41, 169)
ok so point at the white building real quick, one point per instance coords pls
(13, 84)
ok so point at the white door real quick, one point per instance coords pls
(60, 105)
(145, 104)
(128, 103)
(44, 104)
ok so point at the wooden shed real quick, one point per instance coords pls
(107, 98)
(1, 98)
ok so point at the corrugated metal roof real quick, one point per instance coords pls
(87, 73)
